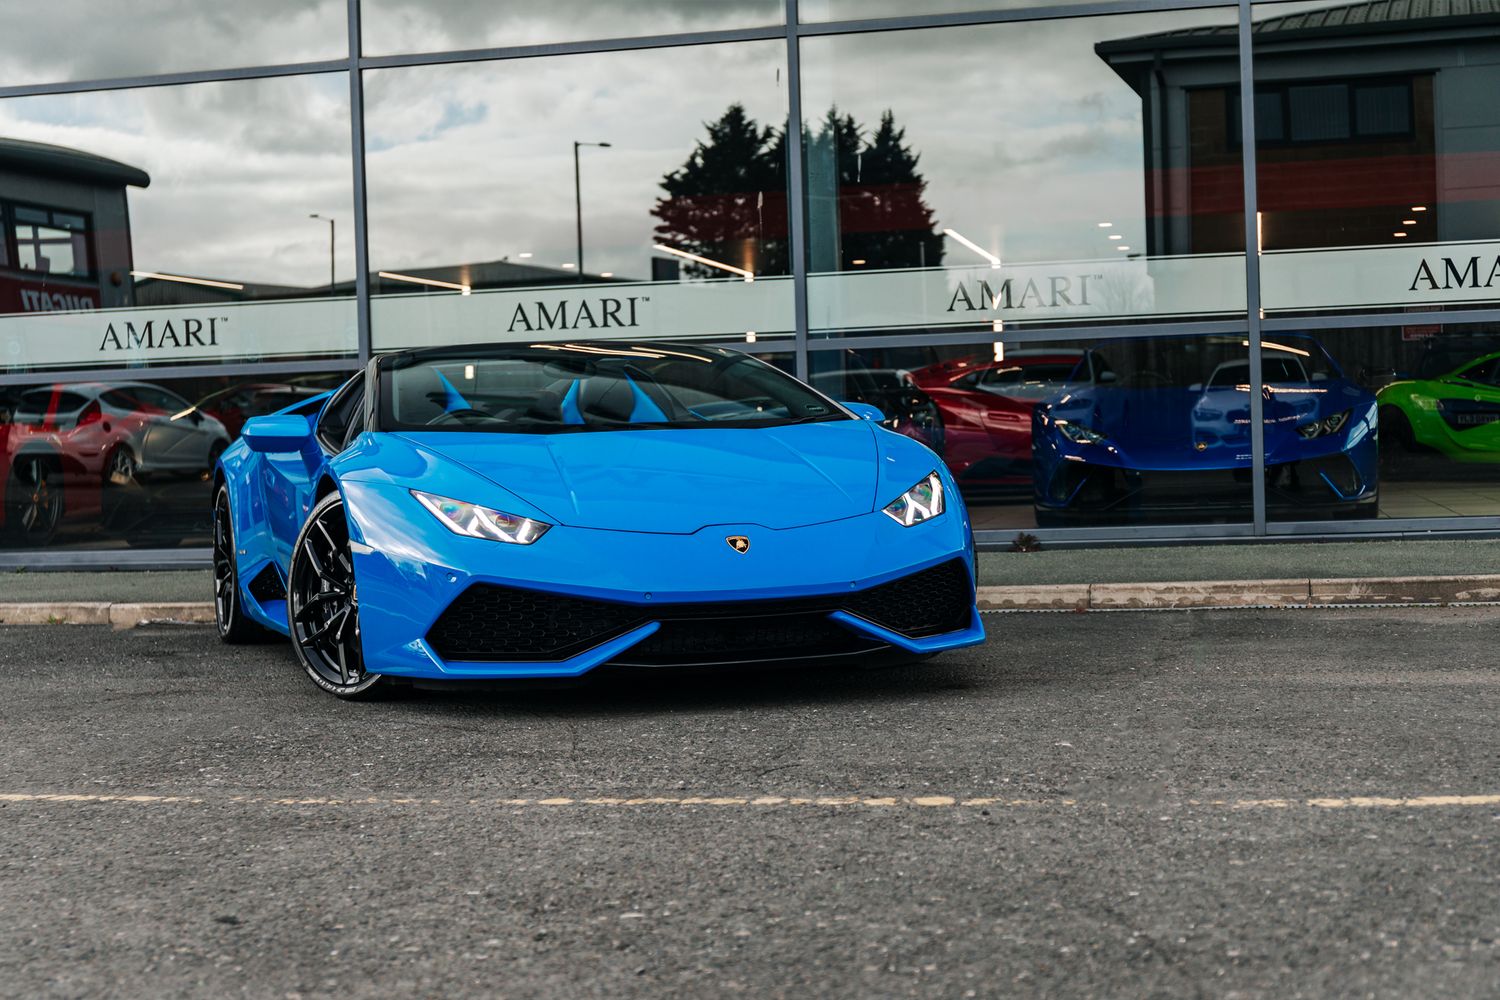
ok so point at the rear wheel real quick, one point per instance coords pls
(324, 605)
(229, 614)
(33, 500)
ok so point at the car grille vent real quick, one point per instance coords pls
(488, 622)
(268, 585)
(934, 601)
(506, 623)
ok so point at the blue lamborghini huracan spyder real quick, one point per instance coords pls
(539, 511)
(1160, 428)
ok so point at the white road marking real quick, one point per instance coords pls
(761, 801)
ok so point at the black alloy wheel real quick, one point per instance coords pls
(33, 500)
(324, 604)
(234, 626)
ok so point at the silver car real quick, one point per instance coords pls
(137, 428)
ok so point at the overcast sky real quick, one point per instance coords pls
(1027, 138)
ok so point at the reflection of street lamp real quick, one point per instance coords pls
(578, 198)
(328, 220)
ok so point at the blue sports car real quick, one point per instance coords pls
(539, 511)
(1162, 430)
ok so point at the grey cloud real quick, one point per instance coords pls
(87, 39)
(1025, 135)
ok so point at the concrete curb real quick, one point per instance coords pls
(1373, 591)
(1294, 593)
(117, 614)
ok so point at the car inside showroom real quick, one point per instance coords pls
(1052, 243)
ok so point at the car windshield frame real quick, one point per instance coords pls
(629, 365)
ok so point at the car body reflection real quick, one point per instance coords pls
(79, 452)
(986, 410)
(1165, 432)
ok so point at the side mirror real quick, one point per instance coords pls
(864, 411)
(1104, 378)
(276, 433)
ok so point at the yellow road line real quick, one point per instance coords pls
(926, 802)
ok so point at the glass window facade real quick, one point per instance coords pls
(930, 211)
(635, 193)
(69, 40)
(1054, 242)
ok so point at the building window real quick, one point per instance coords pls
(50, 242)
(1323, 112)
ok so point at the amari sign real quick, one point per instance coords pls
(1371, 277)
(80, 335)
(112, 338)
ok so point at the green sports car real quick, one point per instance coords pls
(1457, 414)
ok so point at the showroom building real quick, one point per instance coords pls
(1052, 241)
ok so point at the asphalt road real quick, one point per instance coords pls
(1228, 804)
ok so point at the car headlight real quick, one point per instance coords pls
(1079, 434)
(922, 502)
(1321, 428)
(481, 522)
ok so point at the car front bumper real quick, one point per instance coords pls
(583, 598)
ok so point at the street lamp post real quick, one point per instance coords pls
(331, 258)
(578, 198)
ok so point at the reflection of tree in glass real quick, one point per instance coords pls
(883, 219)
(728, 201)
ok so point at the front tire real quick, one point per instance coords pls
(235, 628)
(323, 605)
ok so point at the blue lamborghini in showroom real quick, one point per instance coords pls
(541, 511)
(1161, 430)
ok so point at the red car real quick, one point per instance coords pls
(986, 409)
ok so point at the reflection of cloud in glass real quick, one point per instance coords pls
(235, 170)
(1027, 137)
(64, 40)
(499, 182)
(392, 26)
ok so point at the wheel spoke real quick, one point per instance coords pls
(305, 611)
(314, 559)
(331, 625)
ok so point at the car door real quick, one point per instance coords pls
(164, 431)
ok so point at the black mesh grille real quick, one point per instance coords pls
(504, 623)
(495, 623)
(267, 585)
(931, 602)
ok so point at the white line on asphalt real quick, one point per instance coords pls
(763, 801)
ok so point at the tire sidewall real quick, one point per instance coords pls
(15, 487)
(226, 625)
(368, 680)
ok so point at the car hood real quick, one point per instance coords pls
(677, 481)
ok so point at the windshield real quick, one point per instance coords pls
(1210, 363)
(546, 388)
